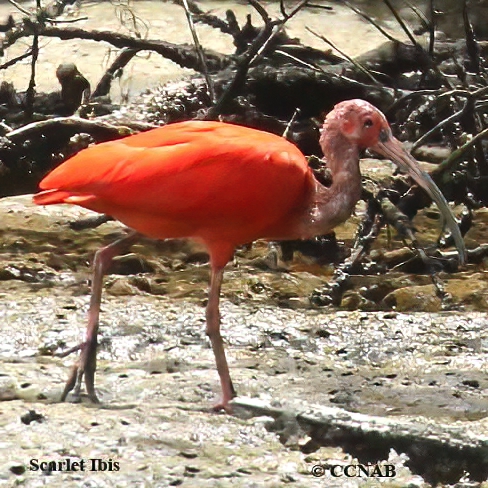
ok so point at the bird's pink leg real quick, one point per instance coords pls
(213, 332)
(87, 362)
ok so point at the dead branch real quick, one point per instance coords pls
(183, 55)
(75, 125)
(31, 90)
(367, 233)
(253, 53)
(458, 153)
(205, 17)
(122, 59)
(471, 44)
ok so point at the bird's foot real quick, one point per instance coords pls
(222, 405)
(228, 394)
(84, 366)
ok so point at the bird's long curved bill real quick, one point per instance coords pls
(393, 149)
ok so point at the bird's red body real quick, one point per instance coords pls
(224, 185)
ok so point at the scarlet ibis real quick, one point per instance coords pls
(223, 185)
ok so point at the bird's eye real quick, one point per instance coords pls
(368, 123)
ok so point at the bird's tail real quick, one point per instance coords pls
(50, 197)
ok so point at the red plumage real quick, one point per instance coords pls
(208, 180)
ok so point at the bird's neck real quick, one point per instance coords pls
(333, 205)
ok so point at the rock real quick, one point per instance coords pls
(472, 294)
(8, 389)
(414, 299)
(439, 452)
(17, 469)
(353, 300)
(432, 154)
(120, 286)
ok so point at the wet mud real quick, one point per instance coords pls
(156, 376)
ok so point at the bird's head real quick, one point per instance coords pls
(364, 126)
(359, 122)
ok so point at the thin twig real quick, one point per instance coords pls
(423, 20)
(16, 60)
(441, 124)
(421, 51)
(19, 7)
(432, 27)
(401, 22)
(286, 133)
(299, 61)
(282, 8)
(297, 9)
(371, 21)
(322, 7)
(201, 54)
(4, 128)
(67, 21)
(458, 153)
(351, 60)
(31, 90)
(276, 29)
(206, 17)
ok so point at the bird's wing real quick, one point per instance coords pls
(191, 170)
